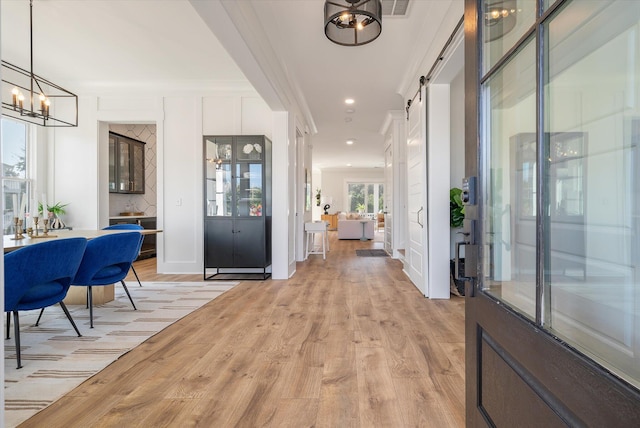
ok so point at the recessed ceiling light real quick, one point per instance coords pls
(347, 119)
(350, 142)
(350, 111)
(349, 101)
(348, 164)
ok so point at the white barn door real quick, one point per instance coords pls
(415, 257)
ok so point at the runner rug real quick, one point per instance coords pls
(371, 253)
(55, 360)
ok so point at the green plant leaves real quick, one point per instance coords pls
(456, 208)
(56, 209)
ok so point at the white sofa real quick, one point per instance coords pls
(352, 228)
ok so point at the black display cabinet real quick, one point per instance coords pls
(237, 205)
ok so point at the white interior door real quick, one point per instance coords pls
(293, 200)
(388, 197)
(416, 194)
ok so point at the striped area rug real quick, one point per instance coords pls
(55, 360)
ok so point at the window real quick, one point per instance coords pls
(365, 197)
(15, 171)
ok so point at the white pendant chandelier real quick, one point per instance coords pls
(352, 22)
(31, 98)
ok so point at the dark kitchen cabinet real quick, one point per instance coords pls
(149, 242)
(126, 164)
(237, 205)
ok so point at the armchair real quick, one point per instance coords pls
(130, 226)
(107, 259)
(38, 276)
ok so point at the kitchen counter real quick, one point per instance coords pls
(146, 221)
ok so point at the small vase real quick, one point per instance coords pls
(56, 223)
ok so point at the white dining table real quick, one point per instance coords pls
(9, 244)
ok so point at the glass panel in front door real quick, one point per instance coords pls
(593, 125)
(504, 23)
(510, 199)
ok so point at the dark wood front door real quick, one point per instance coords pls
(552, 312)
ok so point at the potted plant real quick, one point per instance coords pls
(456, 208)
(456, 219)
(55, 211)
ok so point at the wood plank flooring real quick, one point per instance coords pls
(347, 342)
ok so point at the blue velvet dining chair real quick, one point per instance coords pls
(130, 226)
(107, 260)
(38, 276)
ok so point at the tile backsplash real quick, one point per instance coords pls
(147, 202)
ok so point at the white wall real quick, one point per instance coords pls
(438, 155)
(316, 183)
(182, 188)
(181, 122)
(73, 172)
(457, 143)
(334, 183)
(283, 135)
(457, 129)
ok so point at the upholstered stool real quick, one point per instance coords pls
(310, 230)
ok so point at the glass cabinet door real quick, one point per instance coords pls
(249, 148)
(137, 168)
(124, 166)
(218, 177)
(249, 189)
(112, 164)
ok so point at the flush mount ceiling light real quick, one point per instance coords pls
(349, 101)
(31, 98)
(352, 22)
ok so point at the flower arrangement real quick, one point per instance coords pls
(255, 210)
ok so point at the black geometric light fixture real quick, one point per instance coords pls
(31, 98)
(352, 22)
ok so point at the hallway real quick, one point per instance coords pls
(348, 341)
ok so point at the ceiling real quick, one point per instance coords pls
(144, 44)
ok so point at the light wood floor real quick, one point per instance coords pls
(347, 342)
